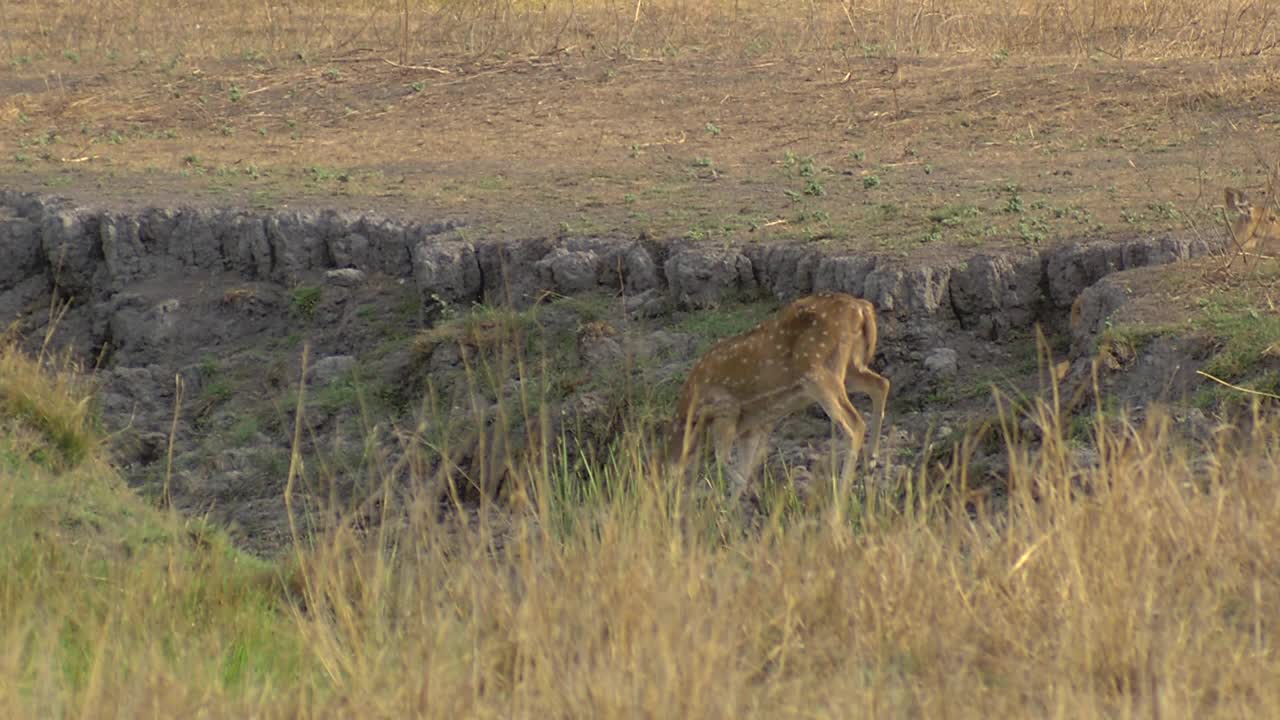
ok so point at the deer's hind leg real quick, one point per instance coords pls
(828, 389)
(877, 387)
(755, 445)
(724, 431)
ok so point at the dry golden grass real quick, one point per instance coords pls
(1147, 585)
(415, 30)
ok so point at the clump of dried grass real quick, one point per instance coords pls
(1140, 578)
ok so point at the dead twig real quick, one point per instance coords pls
(674, 141)
(1237, 388)
(428, 68)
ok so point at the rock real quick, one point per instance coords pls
(598, 344)
(245, 248)
(910, 293)
(20, 256)
(446, 271)
(142, 448)
(995, 293)
(846, 274)
(389, 247)
(640, 273)
(186, 238)
(568, 271)
(394, 369)
(942, 363)
(327, 369)
(703, 278)
(350, 250)
(122, 249)
(345, 277)
(297, 244)
(588, 420)
(659, 346)
(1090, 311)
(505, 268)
(626, 267)
(141, 330)
(24, 296)
(445, 357)
(72, 249)
(787, 271)
(648, 304)
(1070, 270)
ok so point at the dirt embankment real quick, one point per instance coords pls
(207, 310)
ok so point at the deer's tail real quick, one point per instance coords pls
(870, 331)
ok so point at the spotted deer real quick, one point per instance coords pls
(1251, 227)
(815, 349)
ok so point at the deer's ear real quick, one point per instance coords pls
(1236, 200)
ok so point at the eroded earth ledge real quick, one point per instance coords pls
(223, 298)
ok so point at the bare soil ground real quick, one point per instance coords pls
(922, 157)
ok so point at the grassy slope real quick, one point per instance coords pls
(1232, 311)
(1162, 588)
(107, 602)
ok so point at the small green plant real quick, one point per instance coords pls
(215, 391)
(1164, 210)
(1014, 204)
(234, 93)
(244, 430)
(333, 74)
(857, 155)
(820, 216)
(322, 174)
(953, 215)
(1032, 230)
(712, 129)
(814, 188)
(871, 181)
(702, 162)
(417, 86)
(304, 300)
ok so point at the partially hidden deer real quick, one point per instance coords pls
(1252, 228)
(815, 349)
